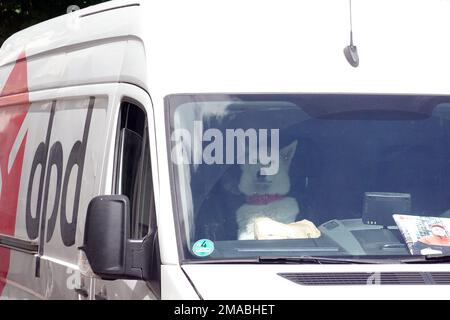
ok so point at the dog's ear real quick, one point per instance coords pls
(287, 153)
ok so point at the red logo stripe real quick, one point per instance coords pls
(14, 106)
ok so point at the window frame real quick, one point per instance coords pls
(173, 101)
(154, 285)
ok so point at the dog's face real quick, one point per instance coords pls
(252, 182)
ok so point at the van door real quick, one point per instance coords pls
(133, 177)
(56, 165)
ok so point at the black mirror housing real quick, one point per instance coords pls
(111, 253)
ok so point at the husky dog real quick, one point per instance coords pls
(266, 195)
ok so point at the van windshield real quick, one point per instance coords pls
(297, 175)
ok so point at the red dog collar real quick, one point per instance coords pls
(263, 199)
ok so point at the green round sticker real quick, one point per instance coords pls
(203, 248)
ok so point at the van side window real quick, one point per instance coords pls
(144, 201)
(133, 167)
(134, 179)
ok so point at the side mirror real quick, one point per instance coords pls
(111, 253)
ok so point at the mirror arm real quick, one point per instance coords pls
(139, 257)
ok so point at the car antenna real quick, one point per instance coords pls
(72, 8)
(351, 52)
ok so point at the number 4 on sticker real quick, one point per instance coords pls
(203, 248)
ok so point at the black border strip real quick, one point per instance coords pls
(181, 239)
(13, 243)
(109, 9)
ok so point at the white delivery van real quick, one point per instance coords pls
(227, 150)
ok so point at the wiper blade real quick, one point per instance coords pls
(319, 260)
(430, 258)
(225, 261)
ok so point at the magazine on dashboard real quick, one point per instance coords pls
(424, 235)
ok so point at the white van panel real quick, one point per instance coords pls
(75, 28)
(175, 285)
(20, 284)
(54, 193)
(263, 282)
(108, 61)
(63, 133)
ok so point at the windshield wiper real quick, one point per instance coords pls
(430, 258)
(319, 260)
(301, 260)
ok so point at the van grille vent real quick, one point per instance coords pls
(363, 278)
